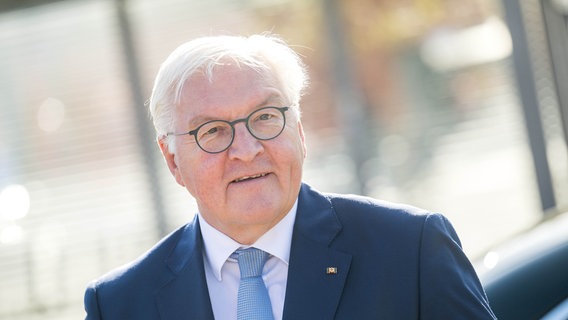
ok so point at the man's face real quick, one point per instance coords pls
(247, 189)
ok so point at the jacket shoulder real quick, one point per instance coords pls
(370, 218)
(142, 269)
(357, 203)
(349, 207)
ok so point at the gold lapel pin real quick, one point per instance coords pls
(331, 270)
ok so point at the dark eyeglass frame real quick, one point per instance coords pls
(232, 125)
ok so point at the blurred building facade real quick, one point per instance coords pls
(410, 101)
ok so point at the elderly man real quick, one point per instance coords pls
(263, 244)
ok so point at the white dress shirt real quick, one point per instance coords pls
(223, 274)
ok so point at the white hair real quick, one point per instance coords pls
(265, 53)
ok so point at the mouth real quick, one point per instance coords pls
(248, 178)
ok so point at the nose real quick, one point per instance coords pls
(245, 147)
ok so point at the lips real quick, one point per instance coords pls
(246, 178)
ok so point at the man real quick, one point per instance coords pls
(226, 112)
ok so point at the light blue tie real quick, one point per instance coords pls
(253, 302)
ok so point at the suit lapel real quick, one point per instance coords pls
(185, 294)
(317, 273)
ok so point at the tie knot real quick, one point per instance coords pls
(251, 261)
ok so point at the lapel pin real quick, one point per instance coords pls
(331, 270)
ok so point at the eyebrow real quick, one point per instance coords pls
(269, 101)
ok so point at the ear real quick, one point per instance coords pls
(170, 160)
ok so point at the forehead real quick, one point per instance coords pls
(230, 88)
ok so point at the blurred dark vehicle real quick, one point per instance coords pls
(527, 277)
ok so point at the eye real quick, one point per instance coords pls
(265, 116)
(213, 129)
(207, 132)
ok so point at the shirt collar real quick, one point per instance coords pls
(219, 247)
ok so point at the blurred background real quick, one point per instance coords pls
(457, 106)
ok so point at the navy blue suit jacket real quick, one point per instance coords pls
(391, 261)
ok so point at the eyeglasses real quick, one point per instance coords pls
(216, 136)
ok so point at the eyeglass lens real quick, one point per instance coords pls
(263, 124)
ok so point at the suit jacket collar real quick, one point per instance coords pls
(317, 272)
(185, 293)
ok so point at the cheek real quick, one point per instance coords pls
(188, 168)
(201, 175)
(299, 148)
(290, 155)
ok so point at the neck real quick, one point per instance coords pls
(247, 235)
